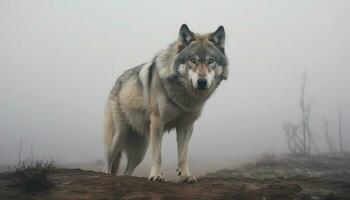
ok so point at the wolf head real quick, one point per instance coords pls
(201, 61)
(198, 61)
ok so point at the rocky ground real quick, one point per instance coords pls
(272, 177)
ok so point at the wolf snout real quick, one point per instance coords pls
(202, 83)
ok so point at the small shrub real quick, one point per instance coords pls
(32, 176)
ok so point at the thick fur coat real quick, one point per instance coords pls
(168, 92)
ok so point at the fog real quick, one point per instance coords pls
(60, 59)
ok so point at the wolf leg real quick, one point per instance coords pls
(156, 134)
(113, 154)
(183, 137)
(114, 133)
(135, 147)
(109, 130)
(115, 164)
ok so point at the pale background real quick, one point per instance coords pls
(59, 60)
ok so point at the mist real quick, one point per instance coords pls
(60, 59)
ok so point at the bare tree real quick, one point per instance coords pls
(303, 112)
(300, 139)
(340, 132)
(20, 151)
(294, 142)
(31, 153)
(328, 139)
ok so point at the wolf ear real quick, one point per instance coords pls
(218, 38)
(185, 36)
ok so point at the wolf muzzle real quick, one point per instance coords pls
(202, 84)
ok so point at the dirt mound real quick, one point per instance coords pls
(327, 167)
(248, 182)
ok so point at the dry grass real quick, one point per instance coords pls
(32, 176)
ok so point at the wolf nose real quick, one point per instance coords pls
(202, 83)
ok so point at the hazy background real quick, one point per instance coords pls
(59, 60)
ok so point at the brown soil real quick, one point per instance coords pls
(242, 183)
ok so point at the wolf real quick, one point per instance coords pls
(166, 93)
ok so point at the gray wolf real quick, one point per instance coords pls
(166, 93)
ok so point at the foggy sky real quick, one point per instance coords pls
(60, 59)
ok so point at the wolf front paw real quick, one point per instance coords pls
(156, 175)
(185, 177)
(188, 179)
(156, 179)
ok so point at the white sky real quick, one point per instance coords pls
(59, 60)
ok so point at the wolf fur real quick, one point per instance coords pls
(166, 93)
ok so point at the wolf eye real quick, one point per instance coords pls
(211, 60)
(192, 60)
